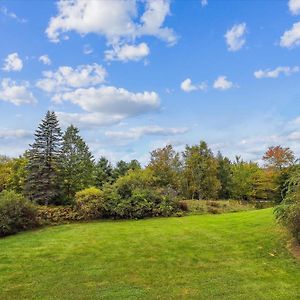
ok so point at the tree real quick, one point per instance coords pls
(77, 163)
(224, 175)
(44, 162)
(278, 157)
(122, 167)
(280, 160)
(5, 171)
(103, 172)
(134, 165)
(166, 166)
(200, 172)
(16, 180)
(247, 181)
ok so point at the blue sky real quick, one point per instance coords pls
(134, 75)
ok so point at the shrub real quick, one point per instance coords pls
(139, 205)
(215, 204)
(183, 206)
(57, 214)
(129, 198)
(90, 204)
(16, 213)
(288, 212)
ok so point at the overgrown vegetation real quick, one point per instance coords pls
(60, 175)
(16, 213)
(288, 212)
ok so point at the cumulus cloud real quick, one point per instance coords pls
(291, 37)
(138, 132)
(119, 21)
(65, 78)
(128, 52)
(16, 94)
(294, 6)
(101, 104)
(222, 83)
(188, 86)
(235, 37)
(276, 72)
(13, 63)
(45, 59)
(112, 100)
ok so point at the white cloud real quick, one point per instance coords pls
(294, 6)
(112, 100)
(128, 52)
(45, 59)
(87, 120)
(16, 94)
(276, 72)
(188, 86)
(204, 3)
(13, 63)
(118, 21)
(235, 37)
(87, 49)
(291, 38)
(66, 78)
(11, 15)
(294, 136)
(110, 18)
(222, 83)
(152, 21)
(138, 132)
(14, 133)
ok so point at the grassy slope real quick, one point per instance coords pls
(230, 256)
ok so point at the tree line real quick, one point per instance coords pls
(59, 164)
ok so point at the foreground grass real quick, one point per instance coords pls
(230, 256)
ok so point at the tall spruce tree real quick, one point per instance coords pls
(103, 172)
(44, 161)
(77, 163)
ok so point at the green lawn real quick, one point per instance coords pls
(230, 256)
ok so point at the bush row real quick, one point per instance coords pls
(131, 197)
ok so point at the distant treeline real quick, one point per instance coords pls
(58, 165)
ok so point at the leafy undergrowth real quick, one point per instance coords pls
(229, 256)
(221, 206)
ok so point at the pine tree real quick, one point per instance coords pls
(103, 172)
(44, 159)
(77, 163)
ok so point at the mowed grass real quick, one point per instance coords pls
(231, 256)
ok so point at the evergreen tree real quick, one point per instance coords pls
(77, 163)
(224, 175)
(103, 172)
(122, 167)
(134, 165)
(44, 161)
